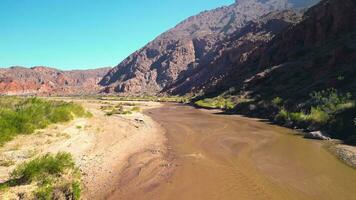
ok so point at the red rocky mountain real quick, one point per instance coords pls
(49, 81)
(175, 62)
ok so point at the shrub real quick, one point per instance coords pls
(277, 101)
(39, 168)
(318, 115)
(24, 116)
(55, 176)
(283, 115)
(331, 100)
(136, 109)
(299, 117)
(77, 189)
(218, 102)
(44, 192)
(120, 111)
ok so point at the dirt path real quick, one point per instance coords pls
(230, 157)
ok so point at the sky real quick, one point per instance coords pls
(86, 34)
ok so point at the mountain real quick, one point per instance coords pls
(302, 78)
(316, 54)
(232, 52)
(195, 42)
(49, 81)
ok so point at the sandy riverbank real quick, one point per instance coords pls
(102, 146)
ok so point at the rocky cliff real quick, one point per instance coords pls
(162, 64)
(313, 55)
(49, 81)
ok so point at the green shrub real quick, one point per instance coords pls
(25, 115)
(218, 102)
(331, 101)
(77, 190)
(277, 101)
(283, 115)
(44, 192)
(299, 117)
(318, 115)
(136, 109)
(120, 111)
(55, 176)
(40, 168)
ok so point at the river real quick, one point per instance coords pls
(226, 157)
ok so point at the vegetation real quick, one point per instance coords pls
(136, 109)
(322, 105)
(25, 115)
(277, 101)
(55, 176)
(218, 102)
(120, 109)
(330, 111)
(175, 99)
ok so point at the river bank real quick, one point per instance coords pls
(344, 152)
(236, 157)
(173, 151)
(102, 146)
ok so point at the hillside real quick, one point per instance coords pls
(191, 45)
(49, 81)
(305, 77)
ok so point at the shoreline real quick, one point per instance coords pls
(101, 146)
(343, 152)
(264, 155)
(135, 149)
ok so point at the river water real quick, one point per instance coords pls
(230, 157)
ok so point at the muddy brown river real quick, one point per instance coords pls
(226, 157)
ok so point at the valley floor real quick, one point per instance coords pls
(172, 151)
(101, 146)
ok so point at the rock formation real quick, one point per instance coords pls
(197, 41)
(49, 81)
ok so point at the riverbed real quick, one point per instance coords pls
(216, 156)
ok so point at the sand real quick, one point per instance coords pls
(102, 146)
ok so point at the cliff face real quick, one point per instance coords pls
(49, 81)
(316, 54)
(197, 41)
(232, 53)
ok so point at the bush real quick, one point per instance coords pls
(299, 117)
(55, 176)
(77, 189)
(319, 116)
(218, 102)
(277, 101)
(283, 115)
(24, 116)
(331, 101)
(119, 111)
(135, 109)
(39, 168)
(44, 192)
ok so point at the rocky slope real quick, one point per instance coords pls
(195, 42)
(316, 54)
(232, 52)
(49, 81)
(304, 77)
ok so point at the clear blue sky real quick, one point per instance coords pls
(81, 34)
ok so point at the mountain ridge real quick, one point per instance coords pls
(159, 63)
(40, 80)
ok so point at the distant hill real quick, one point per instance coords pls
(49, 81)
